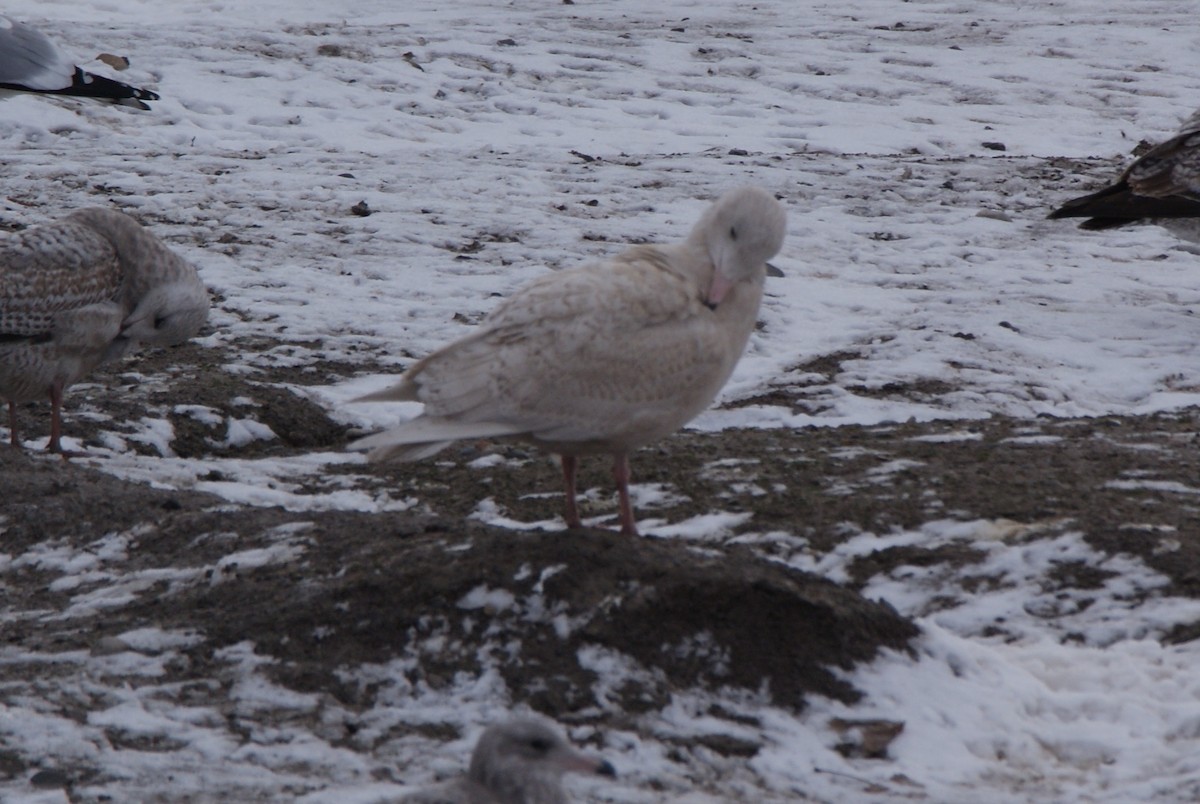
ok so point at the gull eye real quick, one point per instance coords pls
(159, 320)
(733, 233)
(540, 744)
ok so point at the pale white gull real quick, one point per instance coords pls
(29, 62)
(604, 358)
(1161, 186)
(521, 761)
(85, 289)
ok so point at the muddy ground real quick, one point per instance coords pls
(721, 613)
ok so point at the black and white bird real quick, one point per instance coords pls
(1161, 186)
(519, 761)
(31, 63)
(604, 358)
(83, 290)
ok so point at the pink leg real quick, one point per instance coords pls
(569, 465)
(621, 475)
(56, 397)
(12, 424)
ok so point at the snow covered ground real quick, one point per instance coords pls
(917, 146)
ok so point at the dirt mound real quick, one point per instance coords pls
(540, 608)
(533, 605)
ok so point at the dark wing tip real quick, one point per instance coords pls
(97, 87)
(1100, 224)
(1119, 204)
(1086, 206)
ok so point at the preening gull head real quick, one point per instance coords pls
(520, 761)
(29, 62)
(604, 358)
(1161, 186)
(88, 288)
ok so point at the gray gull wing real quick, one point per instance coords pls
(31, 63)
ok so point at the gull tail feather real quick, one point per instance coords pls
(423, 437)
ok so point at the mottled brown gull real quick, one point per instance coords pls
(1161, 186)
(604, 358)
(520, 761)
(79, 291)
(29, 62)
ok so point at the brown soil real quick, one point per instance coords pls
(369, 587)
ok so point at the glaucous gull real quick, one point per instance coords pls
(520, 761)
(29, 62)
(85, 289)
(604, 358)
(1161, 186)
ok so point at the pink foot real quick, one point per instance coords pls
(621, 476)
(569, 466)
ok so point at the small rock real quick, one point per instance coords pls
(728, 746)
(361, 209)
(109, 645)
(995, 146)
(866, 738)
(47, 779)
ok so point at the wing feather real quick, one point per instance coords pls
(1171, 168)
(50, 270)
(577, 353)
